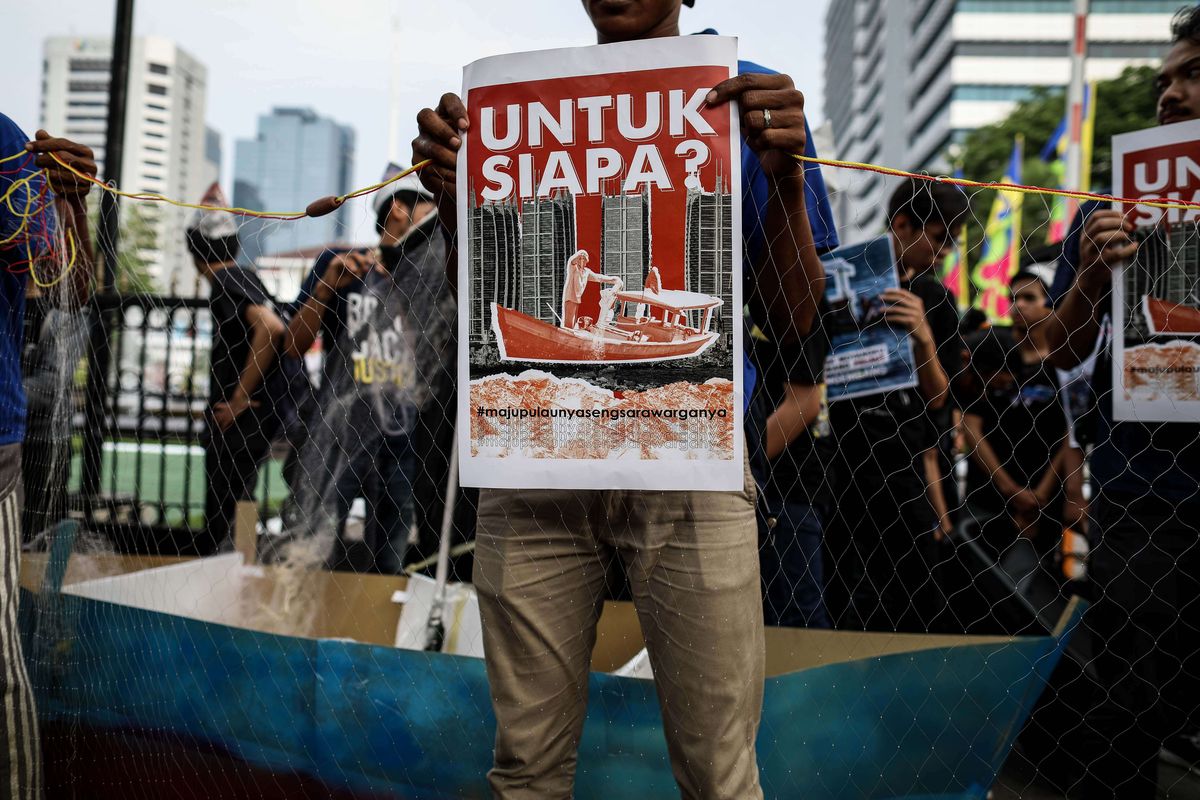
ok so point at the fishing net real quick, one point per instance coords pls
(286, 604)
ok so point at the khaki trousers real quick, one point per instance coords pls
(541, 561)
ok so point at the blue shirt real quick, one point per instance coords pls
(756, 193)
(25, 234)
(1131, 460)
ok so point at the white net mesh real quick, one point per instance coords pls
(302, 412)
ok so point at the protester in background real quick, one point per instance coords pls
(884, 538)
(54, 341)
(383, 320)
(31, 222)
(795, 496)
(1145, 510)
(1024, 475)
(539, 601)
(246, 334)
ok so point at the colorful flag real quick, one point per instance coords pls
(1001, 245)
(1055, 153)
(954, 272)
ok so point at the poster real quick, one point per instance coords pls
(1156, 306)
(866, 355)
(599, 206)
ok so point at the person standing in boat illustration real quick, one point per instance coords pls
(578, 276)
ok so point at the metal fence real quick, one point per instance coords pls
(137, 468)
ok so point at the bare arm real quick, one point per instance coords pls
(981, 452)
(70, 202)
(266, 331)
(439, 136)
(907, 310)
(933, 491)
(341, 270)
(1073, 328)
(800, 408)
(789, 277)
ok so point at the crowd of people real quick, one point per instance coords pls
(854, 514)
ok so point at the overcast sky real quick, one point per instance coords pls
(334, 55)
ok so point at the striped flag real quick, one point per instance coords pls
(1055, 153)
(954, 272)
(1001, 245)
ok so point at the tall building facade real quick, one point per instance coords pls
(906, 80)
(296, 157)
(164, 147)
(709, 247)
(547, 241)
(212, 156)
(625, 245)
(495, 264)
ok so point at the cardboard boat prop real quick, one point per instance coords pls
(648, 326)
(1165, 317)
(312, 678)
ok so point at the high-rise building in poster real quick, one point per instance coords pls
(495, 263)
(547, 241)
(625, 246)
(708, 251)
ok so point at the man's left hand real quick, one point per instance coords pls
(224, 414)
(772, 118)
(64, 182)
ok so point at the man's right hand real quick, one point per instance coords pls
(1106, 242)
(342, 270)
(440, 135)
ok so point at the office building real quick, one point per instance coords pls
(296, 157)
(907, 80)
(164, 144)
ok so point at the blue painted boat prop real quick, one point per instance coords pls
(211, 651)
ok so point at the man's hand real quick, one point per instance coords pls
(440, 135)
(907, 311)
(1106, 242)
(774, 143)
(63, 182)
(226, 413)
(342, 270)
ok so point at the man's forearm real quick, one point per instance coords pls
(1072, 329)
(302, 330)
(790, 277)
(72, 211)
(261, 357)
(931, 378)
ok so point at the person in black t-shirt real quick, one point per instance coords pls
(885, 534)
(246, 335)
(797, 435)
(1024, 477)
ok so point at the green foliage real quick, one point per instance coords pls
(1125, 103)
(137, 239)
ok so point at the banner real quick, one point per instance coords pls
(1001, 246)
(954, 275)
(1156, 311)
(1055, 154)
(866, 355)
(599, 207)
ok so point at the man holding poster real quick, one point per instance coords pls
(628, 151)
(1146, 504)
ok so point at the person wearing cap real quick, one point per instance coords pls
(542, 556)
(383, 332)
(246, 335)
(31, 221)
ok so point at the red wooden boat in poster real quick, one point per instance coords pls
(650, 326)
(1163, 316)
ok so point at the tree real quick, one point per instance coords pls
(1125, 103)
(138, 238)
